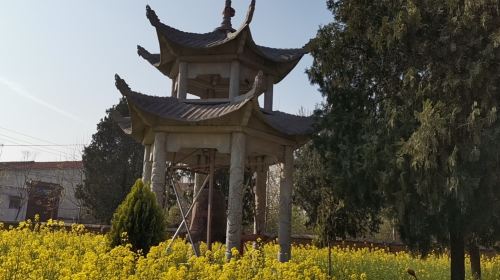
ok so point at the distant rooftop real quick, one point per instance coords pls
(58, 165)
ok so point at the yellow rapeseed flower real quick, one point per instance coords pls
(49, 251)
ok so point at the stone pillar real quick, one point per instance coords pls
(235, 201)
(234, 80)
(174, 88)
(268, 95)
(182, 81)
(159, 167)
(147, 165)
(285, 209)
(260, 198)
(210, 198)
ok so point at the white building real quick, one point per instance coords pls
(44, 188)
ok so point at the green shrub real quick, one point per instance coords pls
(174, 217)
(138, 220)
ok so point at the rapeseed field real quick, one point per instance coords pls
(34, 251)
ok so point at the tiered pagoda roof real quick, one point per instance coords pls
(223, 45)
(146, 109)
(231, 43)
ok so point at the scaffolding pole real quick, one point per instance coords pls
(185, 215)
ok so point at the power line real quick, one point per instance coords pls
(16, 141)
(48, 148)
(26, 135)
(52, 144)
(35, 148)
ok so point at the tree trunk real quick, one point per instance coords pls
(329, 256)
(475, 260)
(457, 250)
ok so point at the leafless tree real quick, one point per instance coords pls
(22, 176)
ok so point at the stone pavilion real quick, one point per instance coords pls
(225, 127)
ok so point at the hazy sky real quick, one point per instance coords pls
(58, 59)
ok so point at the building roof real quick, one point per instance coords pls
(282, 55)
(57, 165)
(174, 109)
(171, 108)
(217, 38)
(288, 123)
(195, 40)
(273, 54)
(175, 43)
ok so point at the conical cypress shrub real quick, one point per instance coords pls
(138, 220)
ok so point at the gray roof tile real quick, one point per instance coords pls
(173, 109)
(215, 38)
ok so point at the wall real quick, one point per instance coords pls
(67, 174)
(11, 214)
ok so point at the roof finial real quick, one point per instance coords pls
(228, 13)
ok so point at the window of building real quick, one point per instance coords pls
(14, 202)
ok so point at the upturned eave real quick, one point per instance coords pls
(175, 44)
(148, 111)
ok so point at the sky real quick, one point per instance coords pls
(58, 59)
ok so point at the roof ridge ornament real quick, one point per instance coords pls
(151, 15)
(143, 52)
(228, 13)
(250, 12)
(121, 85)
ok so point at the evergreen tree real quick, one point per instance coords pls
(111, 163)
(332, 214)
(410, 117)
(139, 220)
